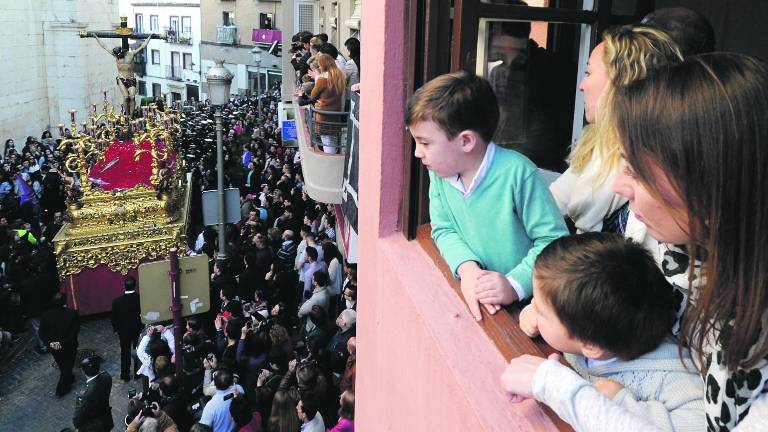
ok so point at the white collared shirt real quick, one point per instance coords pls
(482, 170)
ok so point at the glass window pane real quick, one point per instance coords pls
(557, 4)
(532, 67)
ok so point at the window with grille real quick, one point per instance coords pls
(305, 17)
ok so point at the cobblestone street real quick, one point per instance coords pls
(28, 381)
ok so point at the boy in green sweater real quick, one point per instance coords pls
(490, 212)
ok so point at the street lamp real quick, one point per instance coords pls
(219, 79)
(256, 53)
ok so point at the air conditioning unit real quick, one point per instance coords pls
(304, 17)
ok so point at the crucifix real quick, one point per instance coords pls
(126, 79)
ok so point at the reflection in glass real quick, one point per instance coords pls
(532, 69)
(558, 4)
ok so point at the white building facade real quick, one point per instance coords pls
(241, 34)
(171, 67)
(49, 69)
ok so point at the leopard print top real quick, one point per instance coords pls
(729, 393)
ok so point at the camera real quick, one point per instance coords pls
(147, 410)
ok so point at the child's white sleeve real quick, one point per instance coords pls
(682, 413)
(578, 402)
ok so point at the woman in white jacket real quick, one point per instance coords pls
(584, 192)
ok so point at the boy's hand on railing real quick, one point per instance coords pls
(493, 290)
(528, 322)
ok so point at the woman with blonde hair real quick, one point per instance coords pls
(328, 93)
(627, 54)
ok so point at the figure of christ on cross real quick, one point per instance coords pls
(126, 79)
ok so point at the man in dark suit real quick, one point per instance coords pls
(126, 322)
(59, 327)
(92, 410)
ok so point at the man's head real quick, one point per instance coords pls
(223, 379)
(311, 254)
(346, 319)
(91, 365)
(320, 278)
(169, 386)
(691, 30)
(601, 296)
(452, 117)
(306, 411)
(129, 284)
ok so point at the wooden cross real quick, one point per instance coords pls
(122, 32)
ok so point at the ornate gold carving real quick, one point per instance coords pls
(121, 245)
(121, 228)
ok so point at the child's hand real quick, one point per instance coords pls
(608, 388)
(528, 322)
(468, 272)
(493, 290)
(517, 378)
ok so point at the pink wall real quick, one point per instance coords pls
(423, 364)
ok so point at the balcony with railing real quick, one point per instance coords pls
(323, 138)
(173, 73)
(226, 34)
(174, 36)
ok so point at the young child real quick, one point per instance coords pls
(490, 212)
(602, 301)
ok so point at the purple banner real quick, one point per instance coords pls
(266, 36)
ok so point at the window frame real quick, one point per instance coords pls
(432, 58)
(171, 20)
(138, 21)
(155, 54)
(185, 65)
(186, 29)
(156, 20)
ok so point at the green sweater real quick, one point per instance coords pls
(502, 225)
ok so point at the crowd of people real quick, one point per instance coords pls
(276, 350)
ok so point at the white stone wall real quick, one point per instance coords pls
(48, 68)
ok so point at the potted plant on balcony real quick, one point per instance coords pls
(185, 38)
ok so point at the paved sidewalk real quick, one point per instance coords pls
(28, 381)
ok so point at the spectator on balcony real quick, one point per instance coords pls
(329, 96)
(473, 185)
(353, 64)
(584, 193)
(332, 51)
(622, 337)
